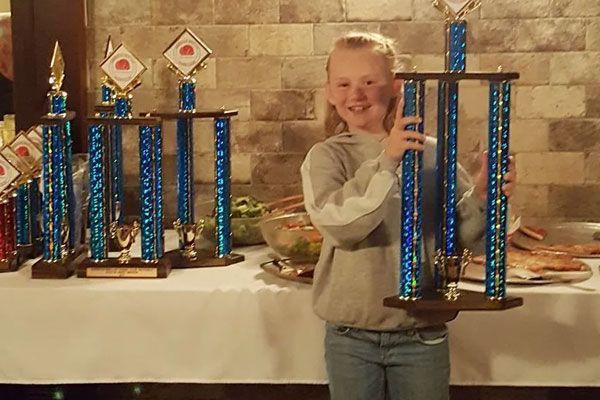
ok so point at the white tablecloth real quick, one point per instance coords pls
(239, 325)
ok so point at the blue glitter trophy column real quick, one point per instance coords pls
(124, 71)
(27, 157)
(186, 55)
(61, 250)
(107, 108)
(450, 259)
(497, 203)
(412, 187)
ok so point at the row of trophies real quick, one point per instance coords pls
(49, 167)
(62, 253)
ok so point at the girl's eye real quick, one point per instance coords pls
(343, 85)
(369, 83)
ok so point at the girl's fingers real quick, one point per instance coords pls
(412, 135)
(400, 124)
(399, 109)
(415, 146)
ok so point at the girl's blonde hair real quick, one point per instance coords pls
(381, 45)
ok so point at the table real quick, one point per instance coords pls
(239, 324)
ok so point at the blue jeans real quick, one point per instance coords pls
(397, 365)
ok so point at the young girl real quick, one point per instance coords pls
(351, 190)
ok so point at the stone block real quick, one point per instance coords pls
(247, 12)
(550, 101)
(117, 13)
(257, 137)
(282, 105)
(409, 36)
(592, 101)
(592, 167)
(249, 73)
(303, 72)
(575, 135)
(224, 40)
(529, 135)
(534, 68)
(306, 11)
(575, 8)
(559, 168)
(580, 202)
(326, 34)
(281, 169)
(281, 40)
(300, 136)
(384, 10)
(182, 12)
(512, 9)
(530, 201)
(547, 35)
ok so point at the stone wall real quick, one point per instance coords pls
(269, 59)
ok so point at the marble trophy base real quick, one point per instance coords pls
(59, 269)
(467, 301)
(204, 259)
(135, 268)
(11, 263)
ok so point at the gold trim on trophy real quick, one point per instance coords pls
(57, 69)
(123, 69)
(186, 54)
(456, 9)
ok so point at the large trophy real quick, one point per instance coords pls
(186, 55)
(124, 70)
(450, 259)
(62, 250)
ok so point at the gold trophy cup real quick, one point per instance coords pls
(187, 237)
(124, 235)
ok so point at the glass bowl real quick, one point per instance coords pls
(292, 236)
(244, 231)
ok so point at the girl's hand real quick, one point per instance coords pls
(481, 183)
(399, 139)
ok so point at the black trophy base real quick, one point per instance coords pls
(203, 259)
(11, 263)
(135, 268)
(59, 269)
(466, 301)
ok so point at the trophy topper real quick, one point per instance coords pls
(187, 53)
(456, 9)
(23, 147)
(34, 134)
(123, 69)
(8, 173)
(109, 48)
(57, 69)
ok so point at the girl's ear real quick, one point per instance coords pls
(397, 86)
(328, 95)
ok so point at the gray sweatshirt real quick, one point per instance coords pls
(351, 192)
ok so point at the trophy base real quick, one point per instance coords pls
(59, 269)
(466, 301)
(204, 259)
(29, 251)
(11, 263)
(136, 268)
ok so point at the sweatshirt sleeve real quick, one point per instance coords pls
(471, 212)
(345, 210)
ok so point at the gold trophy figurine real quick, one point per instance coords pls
(453, 269)
(124, 235)
(187, 237)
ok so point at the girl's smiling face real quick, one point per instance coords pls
(360, 86)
